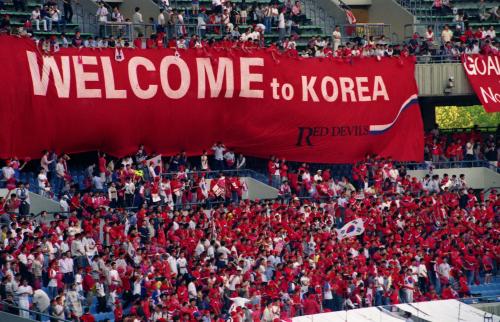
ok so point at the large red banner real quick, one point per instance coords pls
(255, 101)
(484, 75)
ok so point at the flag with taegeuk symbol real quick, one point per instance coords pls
(352, 228)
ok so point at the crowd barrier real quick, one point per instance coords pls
(34, 315)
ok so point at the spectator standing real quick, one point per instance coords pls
(281, 24)
(482, 11)
(24, 293)
(202, 23)
(41, 301)
(19, 5)
(137, 20)
(219, 150)
(241, 162)
(68, 10)
(268, 18)
(74, 302)
(23, 194)
(446, 34)
(57, 308)
(195, 6)
(102, 13)
(230, 158)
(336, 38)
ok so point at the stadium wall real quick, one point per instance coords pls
(38, 203)
(148, 9)
(391, 13)
(259, 190)
(7, 317)
(333, 9)
(434, 79)
(493, 308)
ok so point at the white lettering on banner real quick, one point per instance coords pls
(133, 64)
(324, 90)
(287, 91)
(362, 89)
(185, 77)
(485, 65)
(308, 89)
(248, 78)
(225, 68)
(347, 87)
(82, 77)
(41, 82)
(351, 89)
(216, 80)
(109, 80)
(379, 89)
(490, 95)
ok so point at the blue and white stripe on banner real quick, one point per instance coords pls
(382, 128)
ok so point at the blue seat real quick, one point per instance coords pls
(103, 316)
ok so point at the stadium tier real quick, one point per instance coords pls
(211, 161)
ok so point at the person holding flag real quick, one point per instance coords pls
(236, 189)
(218, 187)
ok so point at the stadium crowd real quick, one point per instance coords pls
(220, 26)
(190, 246)
(461, 146)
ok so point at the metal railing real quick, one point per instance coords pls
(420, 28)
(450, 164)
(482, 129)
(376, 30)
(214, 173)
(33, 314)
(131, 31)
(314, 11)
(437, 59)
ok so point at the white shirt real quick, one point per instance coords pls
(337, 36)
(219, 152)
(60, 169)
(137, 17)
(129, 188)
(102, 14)
(63, 203)
(192, 290)
(35, 15)
(66, 265)
(229, 156)
(99, 288)
(204, 162)
(281, 21)
(161, 19)
(182, 262)
(55, 15)
(491, 33)
(98, 184)
(24, 292)
(42, 181)
(8, 172)
(327, 292)
(444, 269)
(173, 264)
(199, 249)
(77, 248)
(233, 281)
(114, 277)
(446, 35)
(422, 270)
